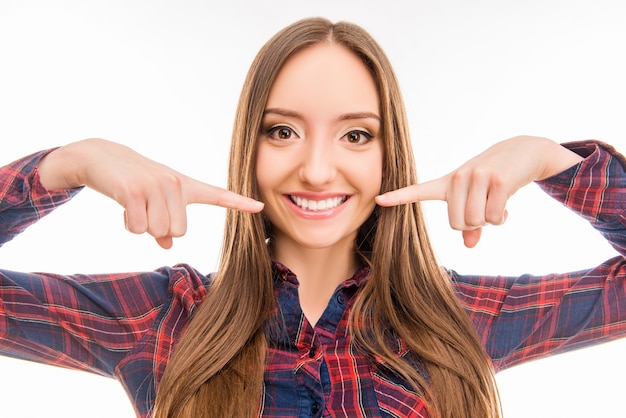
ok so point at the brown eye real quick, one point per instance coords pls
(358, 137)
(284, 133)
(354, 137)
(281, 133)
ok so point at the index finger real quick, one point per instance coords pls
(430, 190)
(212, 195)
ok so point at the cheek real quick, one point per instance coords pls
(375, 182)
(260, 173)
(372, 172)
(267, 171)
(364, 173)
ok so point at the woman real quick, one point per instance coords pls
(328, 299)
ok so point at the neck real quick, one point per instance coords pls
(319, 271)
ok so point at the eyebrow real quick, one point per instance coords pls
(360, 115)
(282, 112)
(345, 116)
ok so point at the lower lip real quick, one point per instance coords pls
(318, 214)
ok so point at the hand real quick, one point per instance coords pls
(477, 192)
(154, 196)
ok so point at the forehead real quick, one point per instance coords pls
(326, 78)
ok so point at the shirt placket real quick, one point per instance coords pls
(308, 370)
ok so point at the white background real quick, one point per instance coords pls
(164, 76)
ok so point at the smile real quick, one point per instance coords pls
(317, 205)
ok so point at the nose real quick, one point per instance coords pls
(318, 165)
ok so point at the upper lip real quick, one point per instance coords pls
(317, 195)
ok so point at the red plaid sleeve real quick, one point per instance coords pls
(23, 200)
(116, 325)
(529, 317)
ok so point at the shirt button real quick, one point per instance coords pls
(315, 408)
(341, 299)
(312, 353)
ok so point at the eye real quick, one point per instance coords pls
(358, 137)
(281, 133)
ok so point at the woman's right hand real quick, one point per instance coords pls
(154, 196)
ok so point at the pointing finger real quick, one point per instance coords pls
(430, 190)
(205, 193)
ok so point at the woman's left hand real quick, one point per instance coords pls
(477, 192)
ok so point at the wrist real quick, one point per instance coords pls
(556, 159)
(61, 168)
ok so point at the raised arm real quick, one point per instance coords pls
(528, 317)
(477, 192)
(95, 322)
(94, 310)
(154, 196)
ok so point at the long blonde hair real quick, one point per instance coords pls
(217, 367)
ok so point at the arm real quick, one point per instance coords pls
(91, 322)
(23, 200)
(153, 195)
(477, 192)
(116, 325)
(595, 190)
(82, 322)
(528, 317)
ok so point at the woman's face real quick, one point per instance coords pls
(320, 154)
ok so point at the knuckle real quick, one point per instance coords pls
(457, 225)
(178, 230)
(481, 173)
(158, 230)
(157, 233)
(136, 227)
(459, 177)
(474, 220)
(495, 218)
(171, 181)
(136, 192)
(497, 182)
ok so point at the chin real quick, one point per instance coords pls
(320, 242)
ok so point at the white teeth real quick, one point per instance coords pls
(317, 205)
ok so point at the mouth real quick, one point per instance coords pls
(317, 205)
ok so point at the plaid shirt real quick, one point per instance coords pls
(124, 325)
